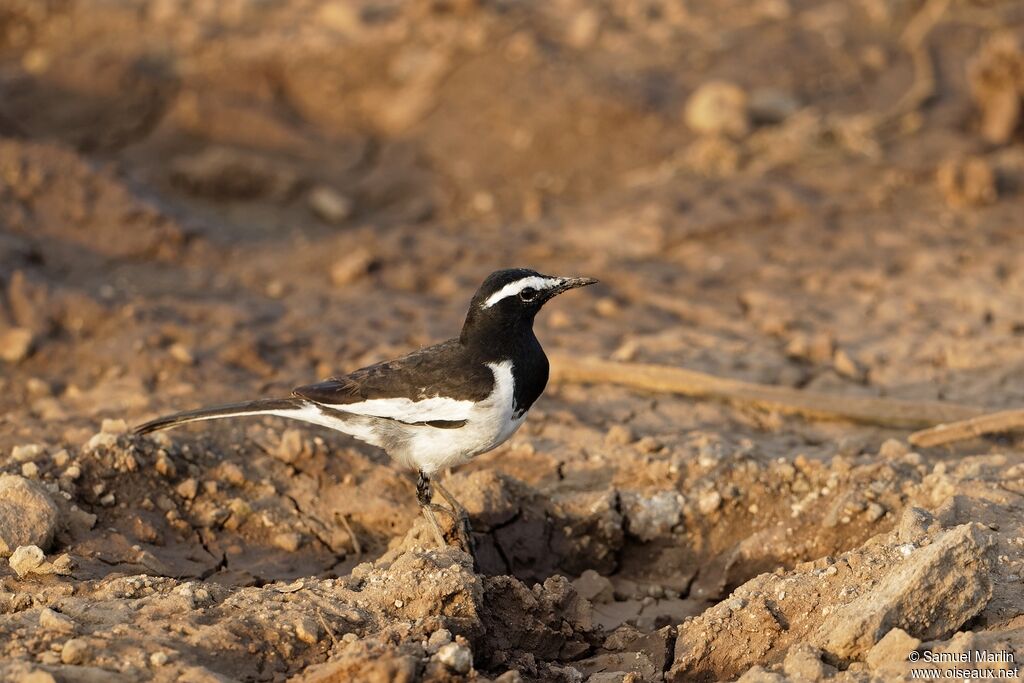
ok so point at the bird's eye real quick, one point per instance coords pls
(528, 294)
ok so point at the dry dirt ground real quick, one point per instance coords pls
(208, 201)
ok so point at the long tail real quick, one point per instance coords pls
(282, 407)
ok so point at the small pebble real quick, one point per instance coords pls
(648, 444)
(329, 205)
(619, 435)
(55, 621)
(968, 182)
(232, 473)
(38, 388)
(239, 508)
(114, 427)
(607, 307)
(736, 604)
(584, 28)
(276, 289)
(26, 559)
(289, 541)
(75, 651)
(188, 488)
(26, 452)
(307, 630)
(892, 449)
(164, 466)
(158, 658)
(351, 267)
(15, 344)
(290, 447)
(181, 353)
(62, 565)
(439, 639)
(30, 470)
(718, 108)
(875, 512)
(846, 366)
(709, 502)
(456, 657)
(101, 440)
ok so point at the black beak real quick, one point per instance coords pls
(572, 283)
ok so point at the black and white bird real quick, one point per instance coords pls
(439, 406)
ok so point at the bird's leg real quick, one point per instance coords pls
(423, 496)
(461, 517)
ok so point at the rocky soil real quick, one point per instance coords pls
(204, 202)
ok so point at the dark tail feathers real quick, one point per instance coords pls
(264, 406)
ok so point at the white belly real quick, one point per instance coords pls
(488, 424)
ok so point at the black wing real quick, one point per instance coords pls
(445, 370)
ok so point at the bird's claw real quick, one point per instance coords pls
(463, 530)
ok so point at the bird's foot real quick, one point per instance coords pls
(428, 512)
(462, 528)
(461, 518)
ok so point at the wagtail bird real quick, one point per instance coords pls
(440, 406)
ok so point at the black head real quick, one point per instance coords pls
(508, 301)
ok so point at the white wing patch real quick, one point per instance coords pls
(513, 288)
(488, 423)
(408, 410)
(311, 412)
(491, 422)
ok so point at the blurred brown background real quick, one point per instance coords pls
(791, 173)
(210, 201)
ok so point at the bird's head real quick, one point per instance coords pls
(508, 300)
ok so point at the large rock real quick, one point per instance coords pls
(933, 593)
(27, 515)
(928, 591)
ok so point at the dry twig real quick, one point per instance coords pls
(356, 546)
(925, 82)
(885, 412)
(327, 627)
(993, 423)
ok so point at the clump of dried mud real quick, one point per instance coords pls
(209, 202)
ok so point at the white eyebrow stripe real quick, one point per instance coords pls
(513, 288)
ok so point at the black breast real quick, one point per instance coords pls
(530, 374)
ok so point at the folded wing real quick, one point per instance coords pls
(438, 384)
